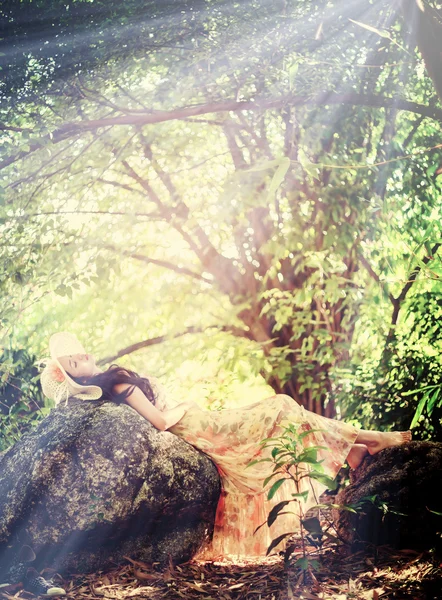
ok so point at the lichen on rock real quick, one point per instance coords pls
(95, 482)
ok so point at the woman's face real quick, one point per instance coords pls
(78, 365)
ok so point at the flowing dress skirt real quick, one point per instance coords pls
(231, 438)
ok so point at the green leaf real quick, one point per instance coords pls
(419, 410)
(435, 512)
(419, 390)
(284, 455)
(278, 177)
(315, 564)
(309, 454)
(259, 527)
(302, 563)
(372, 499)
(328, 481)
(267, 479)
(304, 434)
(273, 514)
(303, 495)
(432, 401)
(312, 525)
(277, 540)
(275, 487)
(346, 507)
(266, 440)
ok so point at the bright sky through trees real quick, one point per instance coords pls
(252, 187)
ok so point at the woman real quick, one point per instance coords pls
(230, 437)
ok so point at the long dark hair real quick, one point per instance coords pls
(114, 375)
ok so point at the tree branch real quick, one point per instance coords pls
(236, 331)
(135, 255)
(412, 131)
(237, 156)
(398, 301)
(151, 117)
(84, 212)
(167, 213)
(4, 127)
(161, 263)
(374, 275)
(123, 186)
(223, 270)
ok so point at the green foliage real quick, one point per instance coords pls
(271, 230)
(380, 504)
(22, 404)
(402, 388)
(294, 460)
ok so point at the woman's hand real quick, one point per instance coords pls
(173, 415)
(162, 420)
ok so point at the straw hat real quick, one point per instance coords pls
(55, 382)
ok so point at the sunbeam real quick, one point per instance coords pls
(242, 200)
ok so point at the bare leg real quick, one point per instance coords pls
(356, 455)
(378, 440)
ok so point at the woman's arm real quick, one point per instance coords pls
(160, 420)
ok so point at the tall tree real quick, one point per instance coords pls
(250, 150)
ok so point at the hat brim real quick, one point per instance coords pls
(64, 343)
(77, 388)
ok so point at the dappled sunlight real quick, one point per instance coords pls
(223, 206)
(242, 199)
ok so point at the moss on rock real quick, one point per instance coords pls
(95, 482)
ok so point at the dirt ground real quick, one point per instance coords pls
(373, 574)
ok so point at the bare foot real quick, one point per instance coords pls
(386, 439)
(356, 455)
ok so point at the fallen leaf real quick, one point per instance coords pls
(145, 576)
(236, 586)
(138, 563)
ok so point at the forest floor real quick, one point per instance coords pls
(382, 573)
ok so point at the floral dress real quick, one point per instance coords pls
(230, 437)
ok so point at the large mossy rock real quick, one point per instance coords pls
(95, 482)
(404, 486)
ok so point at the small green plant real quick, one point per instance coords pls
(294, 461)
(383, 506)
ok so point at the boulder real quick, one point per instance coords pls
(95, 482)
(397, 490)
